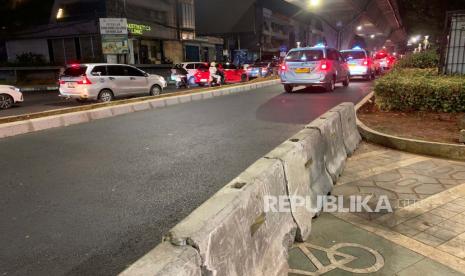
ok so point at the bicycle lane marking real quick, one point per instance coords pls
(331, 254)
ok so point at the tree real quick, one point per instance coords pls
(426, 17)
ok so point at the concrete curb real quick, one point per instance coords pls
(72, 118)
(234, 233)
(442, 150)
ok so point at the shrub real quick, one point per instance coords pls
(426, 59)
(420, 90)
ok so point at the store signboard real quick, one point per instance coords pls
(138, 29)
(113, 26)
(115, 44)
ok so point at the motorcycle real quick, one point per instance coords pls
(179, 76)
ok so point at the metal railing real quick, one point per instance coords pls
(452, 60)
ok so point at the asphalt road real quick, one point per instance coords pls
(90, 199)
(49, 100)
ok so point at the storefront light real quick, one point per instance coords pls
(60, 13)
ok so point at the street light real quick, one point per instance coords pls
(359, 28)
(314, 3)
(372, 36)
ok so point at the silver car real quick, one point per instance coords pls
(104, 82)
(314, 66)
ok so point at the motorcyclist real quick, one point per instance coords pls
(214, 73)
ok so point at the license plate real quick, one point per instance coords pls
(203, 80)
(302, 70)
(352, 65)
(71, 85)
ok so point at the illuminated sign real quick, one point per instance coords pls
(138, 29)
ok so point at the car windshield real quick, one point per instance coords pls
(75, 71)
(353, 55)
(305, 55)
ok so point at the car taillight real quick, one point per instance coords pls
(283, 67)
(324, 65)
(85, 80)
(62, 82)
(366, 62)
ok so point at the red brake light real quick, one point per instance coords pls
(366, 62)
(283, 67)
(85, 80)
(75, 65)
(62, 82)
(324, 65)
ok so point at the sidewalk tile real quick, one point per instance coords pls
(427, 267)
(455, 246)
(440, 232)
(428, 239)
(443, 213)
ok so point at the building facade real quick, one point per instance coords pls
(159, 31)
(256, 29)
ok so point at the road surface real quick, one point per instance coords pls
(90, 199)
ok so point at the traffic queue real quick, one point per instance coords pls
(308, 66)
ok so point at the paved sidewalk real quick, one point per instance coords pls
(425, 235)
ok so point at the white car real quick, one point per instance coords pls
(192, 67)
(9, 95)
(104, 82)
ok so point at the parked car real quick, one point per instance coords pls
(9, 95)
(262, 69)
(232, 73)
(202, 75)
(192, 67)
(360, 63)
(229, 72)
(104, 82)
(314, 66)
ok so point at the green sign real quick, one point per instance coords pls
(138, 29)
(115, 44)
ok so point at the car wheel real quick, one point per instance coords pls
(373, 75)
(347, 81)
(243, 78)
(288, 88)
(105, 96)
(6, 101)
(331, 85)
(155, 90)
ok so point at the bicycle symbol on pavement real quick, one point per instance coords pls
(342, 259)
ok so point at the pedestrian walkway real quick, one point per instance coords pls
(424, 235)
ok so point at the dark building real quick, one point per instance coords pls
(158, 31)
(257, 28)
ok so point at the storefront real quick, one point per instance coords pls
(206, 49)
(152, 44)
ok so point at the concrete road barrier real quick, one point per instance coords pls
(294, 160)
(167, 260)
(330, 127)
(232, 231)
(315, 146)
(350, 134)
